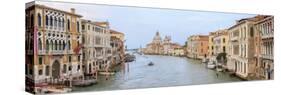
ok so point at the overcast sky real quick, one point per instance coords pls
(140, 24)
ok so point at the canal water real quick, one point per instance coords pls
(166, 71)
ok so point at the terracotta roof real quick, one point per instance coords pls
(115, 32)
(253, 19)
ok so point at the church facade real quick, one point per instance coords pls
(161, 47)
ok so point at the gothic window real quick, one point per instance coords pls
(63, 45)
(78, 26)
(63, 23)
(55, 22)
(39, 19)
(69, 45)
(68, 24)
(51, 21)
(47, 20)
(40, 44)
(51, 45)
(55, 45)
(59, 46)
(59, 23)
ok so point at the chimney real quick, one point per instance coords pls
(72, 10)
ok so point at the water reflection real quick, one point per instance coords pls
(166, 71)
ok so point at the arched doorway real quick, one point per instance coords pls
(56, 69)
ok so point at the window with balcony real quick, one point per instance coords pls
(51, 21)
(47, 20)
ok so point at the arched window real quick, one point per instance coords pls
(56, 21)
(59, 23)
(39, 19)
(78, 26)
(68, 24)
(32, 20)
(47, 45)
(63, 45)
(59, 46)
(47, 70)
(47, 20)
(69, 45)
(51, 45)
(56, 44)
(63, 23)
(51, 20)
(40, 44)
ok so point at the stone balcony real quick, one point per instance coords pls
(267, 36)
(266, 56)
(234, 38)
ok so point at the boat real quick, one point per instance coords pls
(82, 83)
(150, 64)
(211, 65)
(106, 73)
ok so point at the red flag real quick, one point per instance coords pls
(77, 49)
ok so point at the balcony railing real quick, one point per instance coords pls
(235, 38)
(270, 35)
(266, 56)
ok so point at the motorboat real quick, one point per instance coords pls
(150, 63)
(211, 65)
(87, 82)
(106, 73)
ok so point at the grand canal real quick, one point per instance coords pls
(166, 71)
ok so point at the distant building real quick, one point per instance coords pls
(117, 45)
(97, 51)
(161, 47)
(220, 45)
(197, 46)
